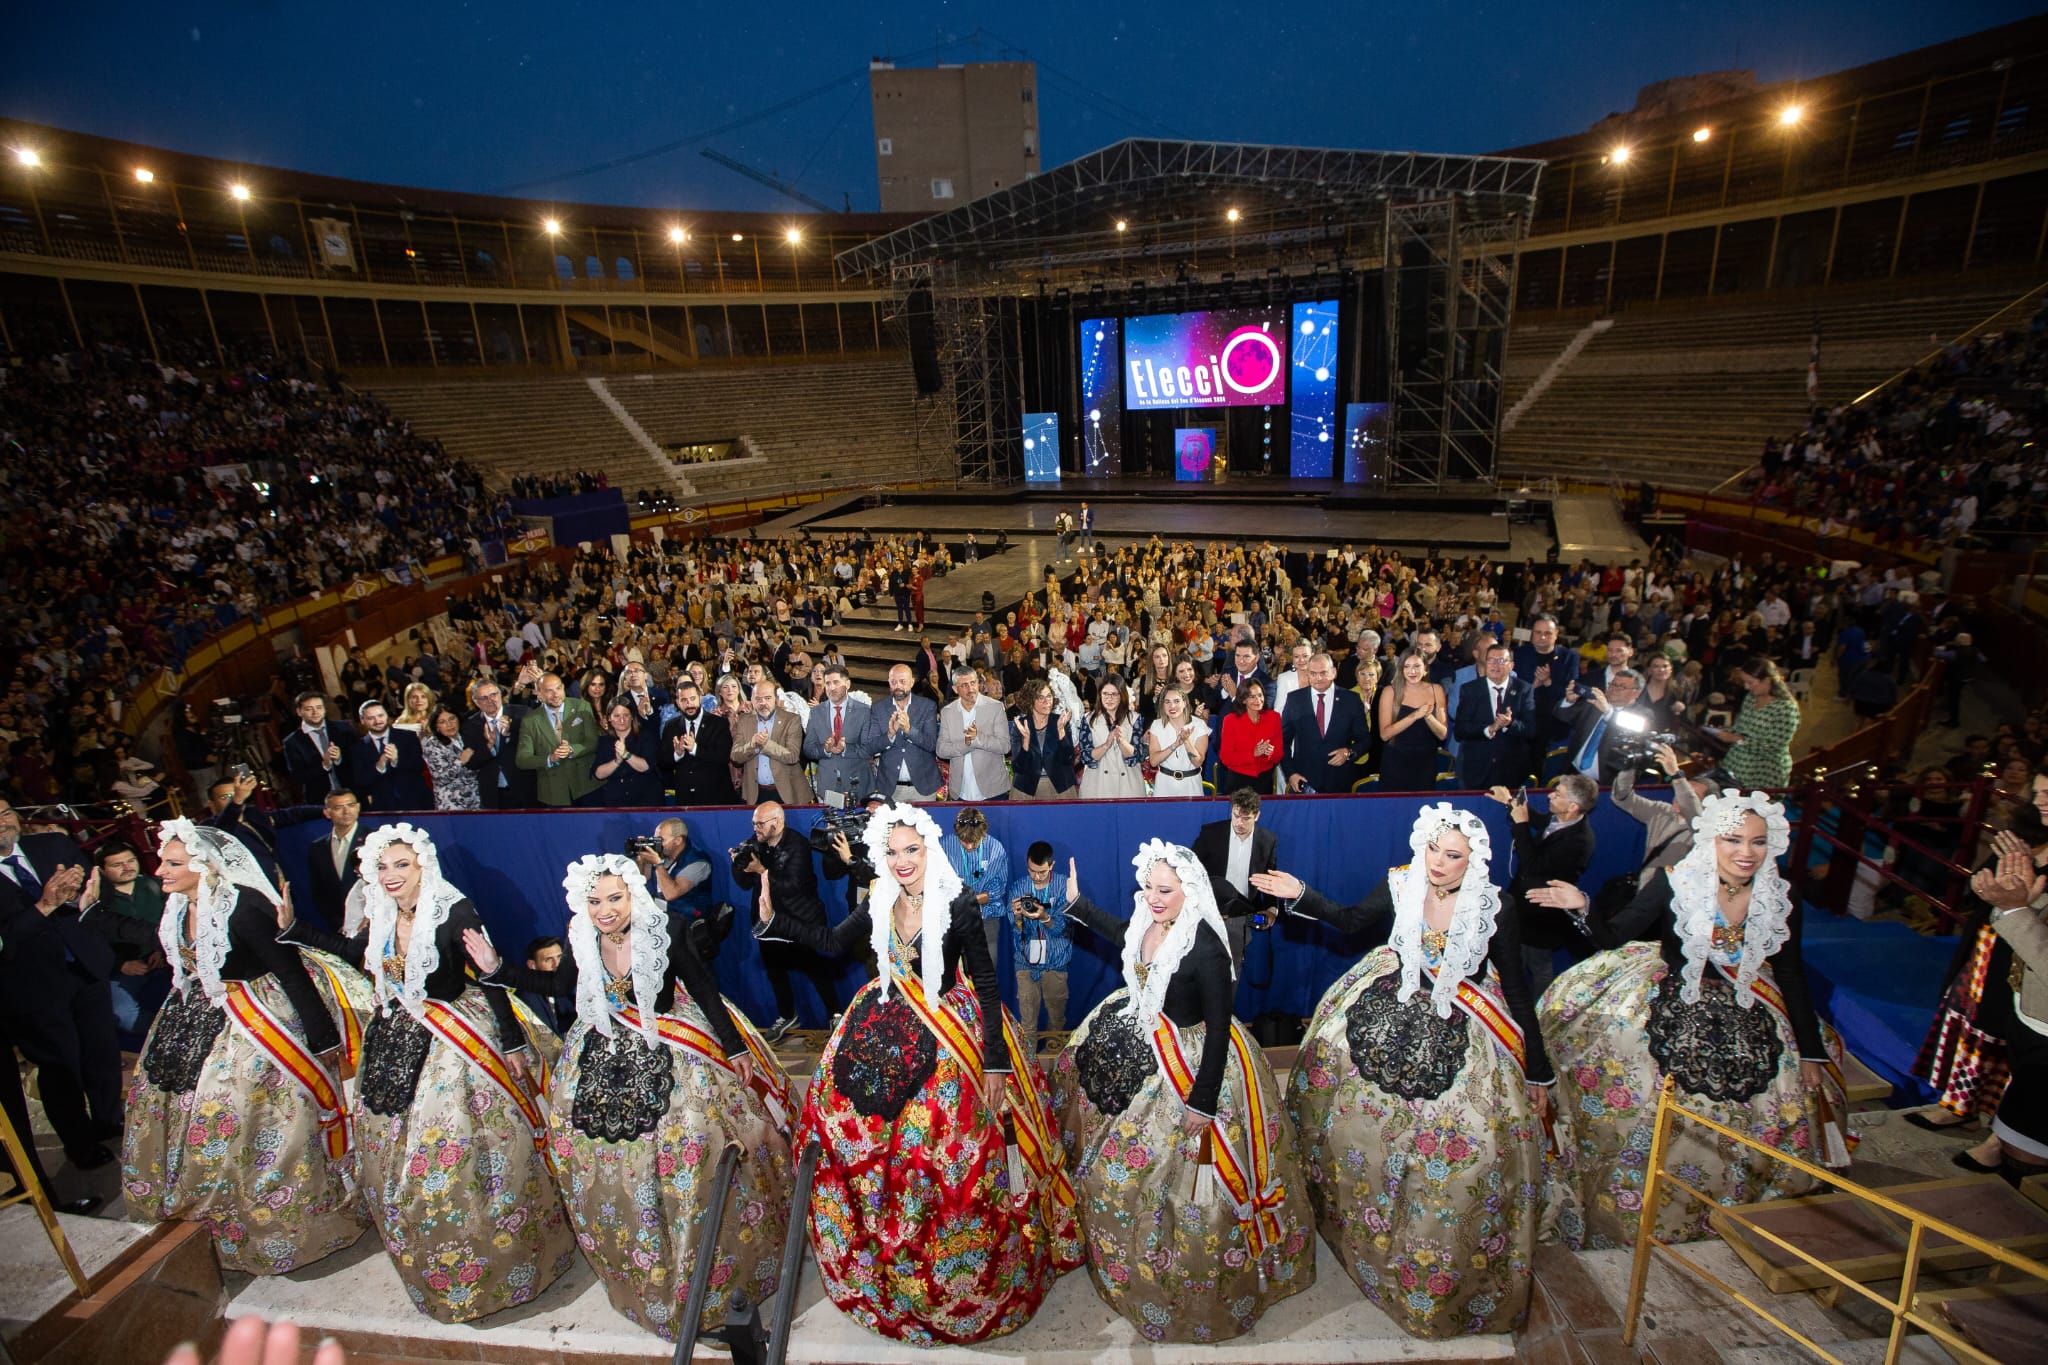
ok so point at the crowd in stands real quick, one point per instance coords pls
(1947, 452)
(560, 485)
(152, 506)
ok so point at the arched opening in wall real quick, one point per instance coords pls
(623, 268)
(593, 268)
(565, 268)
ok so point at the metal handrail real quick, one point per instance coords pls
(793, 1244)
(707, 1255)
(1902, 1310)
(1886, 383)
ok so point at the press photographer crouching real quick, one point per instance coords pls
(785, 859)
(679, 873)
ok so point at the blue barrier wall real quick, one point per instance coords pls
(512, 865)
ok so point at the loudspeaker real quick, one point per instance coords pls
(924, 342)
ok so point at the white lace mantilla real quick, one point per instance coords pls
(430, 912)
(649, 941)
(1197, 911)
(942, 886)
(226, 869)
(1695, 884)
(1473, 917)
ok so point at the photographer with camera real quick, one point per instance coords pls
(679, 874)
(1611, 731)
(1040, 947)
(1559, 850)
(1667, 825)
(984, 868)
(785, 861)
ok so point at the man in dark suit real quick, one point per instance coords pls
(903, 735)
(1229, 683)
(389, 766)
(54, 998)
(1492, 721)
(1560, 850)
(1323, 731)
(331, 864)
(1550, 670)
(316, 754)
(1593, 741)
(1231, 852)
(696, 751)
(491, 734)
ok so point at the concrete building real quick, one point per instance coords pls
(945, 135)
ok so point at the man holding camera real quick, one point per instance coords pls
(680, 875)
(1603, 723)
(1039, 945)
(785, 860)
(1667, 825)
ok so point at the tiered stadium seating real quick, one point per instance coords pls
(1686, 393)
(843, 424)
(840, 424)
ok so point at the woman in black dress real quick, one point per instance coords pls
(1414, 719)
(625, 761)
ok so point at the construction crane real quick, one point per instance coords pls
(764, 178)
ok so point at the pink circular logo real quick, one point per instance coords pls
(1250, 360)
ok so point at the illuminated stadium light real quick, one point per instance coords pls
(678, 236)
(739, 237)
(1233, 215)
(144, 174)
(239, 192)
(793, 235)
(1702, 134)
(552, 226)
(28, 156)
(1619, 156)
(1791, 114)
(1122, 225)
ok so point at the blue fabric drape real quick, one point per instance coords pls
(511, 866)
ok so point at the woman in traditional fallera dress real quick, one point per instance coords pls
(1190, 1195)
(1420, 1091)
(1716, 999)
(235, 1115)
(450, 1147)
(656, 1078)
(929, 1226)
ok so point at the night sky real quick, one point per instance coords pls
(511, 96)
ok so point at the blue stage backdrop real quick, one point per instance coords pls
(511, 866)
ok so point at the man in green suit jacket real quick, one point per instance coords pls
(556, 740)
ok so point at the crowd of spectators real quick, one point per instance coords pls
(1947, 452)
(152, 506)
(560, 485)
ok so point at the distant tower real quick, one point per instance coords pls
(948, 134)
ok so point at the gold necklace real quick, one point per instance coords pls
(617, 938)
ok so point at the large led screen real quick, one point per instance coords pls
(1314, 414)
(1041, 447)
(1224, 358)
(1102, 398)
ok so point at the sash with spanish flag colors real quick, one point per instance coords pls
(262, 1028)
(451, 1028)
(1767, 991)
(344, 1009)
(1255, 1193)
(771, 1083)
(1028, 1104)
(1494, 1018)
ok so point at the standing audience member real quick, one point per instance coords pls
(1249, 746)
(491, 734)
(129, 914)
(835, 740)
(448, 757)
(331, 864)
(1231, 852)
(556, 741)
(54, 998)
(388, 764)
(316, 753)
(1326, 732)
(974, 737)
(768, 745)
(1492, 722)
(696, 750)
(1043, 757)
(1560, 850)
(625, 761)
(1761, 736)
(903, 735)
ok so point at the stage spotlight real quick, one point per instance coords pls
(239, 192)
(1791, 114)
(28, 156)
(1233, 215)
(1702, 134)
(793, 236)
(678, 236)
(1619, 156)
(144, 174)
(552, 226)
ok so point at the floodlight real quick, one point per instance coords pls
(1791, 114)
(1619, 156)
(239, 191)
(144, 174)
(1702, 134)
(552, 226)
(28, 156)
(678, 236)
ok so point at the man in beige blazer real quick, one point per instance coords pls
(770, 752)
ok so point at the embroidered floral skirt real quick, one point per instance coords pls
(1165, 1247)
(638, 1129)
(217, 1133)
(1425, 1158)
(1616, 1025)
(454, 1184)
(919, 1233)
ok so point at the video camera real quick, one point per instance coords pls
(637, 844)
(1636, 743)
(851, 821)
